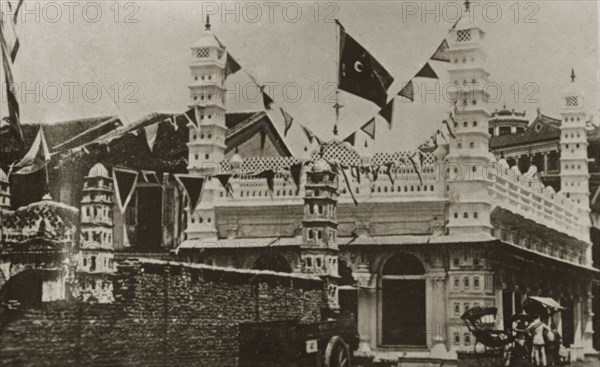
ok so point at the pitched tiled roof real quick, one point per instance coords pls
(544, 128)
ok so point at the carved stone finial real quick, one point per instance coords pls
(572, 75)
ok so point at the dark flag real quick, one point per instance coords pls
(267, 101)
(355, 172)
(369, 128)
(375, 172)
(441, 53)
(390, 169)
(288, 121)
(12, 102)
(124, 181)
(427, 72)
(296, 173)
(269, 175)
(360, 73)
(351, 139)
(150, 177)
(231, 66)
(191, 116)
(387, 112)
(224, 180)
(341, 169)
(408, 91)
(193, 186)
(414, 164)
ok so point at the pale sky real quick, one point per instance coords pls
(143, 62)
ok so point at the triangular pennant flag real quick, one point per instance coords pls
(369, 128)
(414, 164)
(193, 186)
(387, 112)
(421, 158)
(124, 181)
(36, 158)
(151, 132)
(434, 140)
(351, 139)
(390, 167)
(269, 175)
(427, 72)
(231, 66)
(341, 169)
(288, 121)
(150, 177)
(224, 180)
(191, 117)
(449, 128)
(375, 172)
(296, 173)
(319, 141)
(360, 73)
(267, 101)
(309, 135)
(408, 91)
(441, 54)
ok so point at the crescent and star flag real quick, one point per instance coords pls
(151, 131)
(124, 181)
(343, 171)
(267, 100)
(360, 73)
(387, 112)
(193, 187)
(369, 128)
(36, 158)
(288, 121)
(441, 53)
(408, 91)
(427, 72)
(351, 139)
(190, 115)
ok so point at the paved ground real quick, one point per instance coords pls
(591, 363)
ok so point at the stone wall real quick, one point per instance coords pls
(164, 314)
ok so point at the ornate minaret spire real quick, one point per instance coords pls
(573, 146)
(469, 152)
(206, 144)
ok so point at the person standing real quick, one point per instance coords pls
(537, 329)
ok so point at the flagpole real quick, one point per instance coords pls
(337, 105)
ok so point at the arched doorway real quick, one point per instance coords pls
(273, 262)
(25, 288)
(403, 301)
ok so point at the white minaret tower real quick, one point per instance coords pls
(207, 141)
(574, 174)
(469, 153)
(96, 230)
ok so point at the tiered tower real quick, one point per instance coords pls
(574, 174)
(206, 141)
(4, 191)
(96, 256)
(319, 227)
(469, 153)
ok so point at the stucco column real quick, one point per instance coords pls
(436, 305)
(367, 303)
(546, 163)
(588, 332)
(577, 347)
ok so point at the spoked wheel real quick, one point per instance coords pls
(337, 353)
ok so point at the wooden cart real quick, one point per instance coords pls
(292, 344)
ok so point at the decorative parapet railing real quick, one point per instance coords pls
(525, 195)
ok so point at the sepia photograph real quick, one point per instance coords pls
(314, 183)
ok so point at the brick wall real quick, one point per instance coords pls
(164, 314)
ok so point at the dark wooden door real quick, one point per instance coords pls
(404, 312)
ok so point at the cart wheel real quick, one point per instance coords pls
(337, 353)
